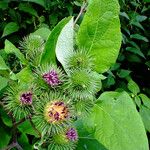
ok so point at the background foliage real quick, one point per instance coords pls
(131, 72)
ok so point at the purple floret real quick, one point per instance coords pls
(26, 98)
(51, 78)
(72, 134)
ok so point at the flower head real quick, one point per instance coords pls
(56, 111)
(51, 78)
(53, 113)
(26, 98)
(20, 100)
(66, 140)
(71, 134)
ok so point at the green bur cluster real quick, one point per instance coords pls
(54, 99)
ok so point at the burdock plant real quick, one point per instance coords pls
(53, 113)
(20, 100)
(57, 87)
(49, 77)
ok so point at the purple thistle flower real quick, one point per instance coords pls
(51, 78)
(72, 134)
(26, 98)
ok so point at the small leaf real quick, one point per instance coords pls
(139, 37)
(27, 128)
(48, 55)
(147, 1)
(5, 138)
(3, 82)
(145, 100)
(145, 114)
(25, 7)
(135, 51)
(137, 24)
(24, 142)
(25, 75)
(43, 32)
(11, 27)
(3, 5)
(124, 73)
(3, 66)
(10, 48)
(5, 118)
(124, 14)
(133, 87)
(141, 18)
(137, 101)
(64, 46)
(39, 2)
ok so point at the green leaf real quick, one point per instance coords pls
(137, 24)
(3, 66)
(11, 27)
(43, 32)
(145, 100)
(133, 87)
(10, 48)
(39, 2)
(64, 46)
(87, 141)
(135, 51)
(3, 5)
(141, 18)
(137, 101)
(5, 118)
(124, 14)
(25, 7)
(116, 124)
(48, 55)
(5, 138)
(27, 128)
(147, 1)
(3, 82)
(25, 75)
(124, 73)
(145, 114)
(100, 33)
(24, 142)
(139, 37)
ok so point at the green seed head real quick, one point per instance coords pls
(81, 84)
(80, 59)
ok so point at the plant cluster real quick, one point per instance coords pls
(52, 91)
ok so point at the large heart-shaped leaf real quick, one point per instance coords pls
(100, 33)
(116, 124)
(48, 55)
